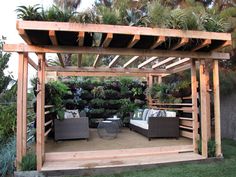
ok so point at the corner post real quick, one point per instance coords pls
(150, 83)
(40, 111)
(216, 87)
(24, 104)
(195, 106)
(204, 107)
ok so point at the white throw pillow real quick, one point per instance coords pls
(145, 112)
(71, 114)
(170, 114)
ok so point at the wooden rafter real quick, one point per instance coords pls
(80, 43)
(114, 51)
(105, 44)
(181, 68)
(172, 65)
(113, 62)
(117, 29)
(158, 42)
(205, 43)
(226, 43)
(134, 40)
(96, 61)
(32, 63)
(183, 42)
(130, 61)
(167, 60)
(24, 36)
(53, 38)
(107, 40)
(147, 62)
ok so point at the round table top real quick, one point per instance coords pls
(113, 118)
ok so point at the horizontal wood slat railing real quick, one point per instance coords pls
(185, 120)
(48, 122)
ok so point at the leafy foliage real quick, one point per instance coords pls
(7, 156)
(136, 17)
(30, 13)
(109, 16)
(28, 162)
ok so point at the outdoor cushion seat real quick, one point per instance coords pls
(156, 123)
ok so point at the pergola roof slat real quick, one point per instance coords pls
(163, 62)
(130, 61)
(24, 36)
(113, 62)
(177, 63)
(147, 62)
(158, 42)
(183, 42)
(205, 43)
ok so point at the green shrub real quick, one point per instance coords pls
(211, 147)
(28, 162)
(109, 16)
(97, 103)
(30, 13)
(7, 156)
(8, 121)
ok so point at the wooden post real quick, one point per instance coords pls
(150, 83)
(19, 142)
(195, 106)
(24, 104)
(208, 103)
(159, 80)
(217, 107)
(40, 111)
(203, 92)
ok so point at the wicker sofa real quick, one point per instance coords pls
(156, 127)
(73, 128)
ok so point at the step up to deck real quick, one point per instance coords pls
(120, 153)
(109, 163)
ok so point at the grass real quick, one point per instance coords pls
(226, 167)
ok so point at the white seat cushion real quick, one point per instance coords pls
(170, 114)
(71, 114)
(139, 123)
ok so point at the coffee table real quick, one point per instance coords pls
(107, 129)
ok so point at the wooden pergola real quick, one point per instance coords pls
(167, 51)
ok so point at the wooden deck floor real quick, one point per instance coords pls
(126, 139)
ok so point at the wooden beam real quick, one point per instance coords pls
(207, 76)
(158, 42)
(80, 43)
(167, 60)
(135, 39)
(113, 62)
(24, 36)
(40, 112)
(226, 43)
(102, 74)
(107, 40)
(203, 95)
(183, 42)
(117, 29)
(150, 83)
(32, 63)
(19, 121)
(53, 38)
(194, 105)
(147, 62)
(205, 43)
(114, 51)
(216, 89)
(184, 60)
(24, 105)
(104, 69)
(130, 61)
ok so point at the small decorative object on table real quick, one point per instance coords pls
(107, 129)
(116, 120)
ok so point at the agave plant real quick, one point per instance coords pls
(88, 16)
(109, 16)
(30, 12)
(177, 19)
(136, 17)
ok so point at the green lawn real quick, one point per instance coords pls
(224, 168)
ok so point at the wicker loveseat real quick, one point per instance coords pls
(156, 127)
(71, 128)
